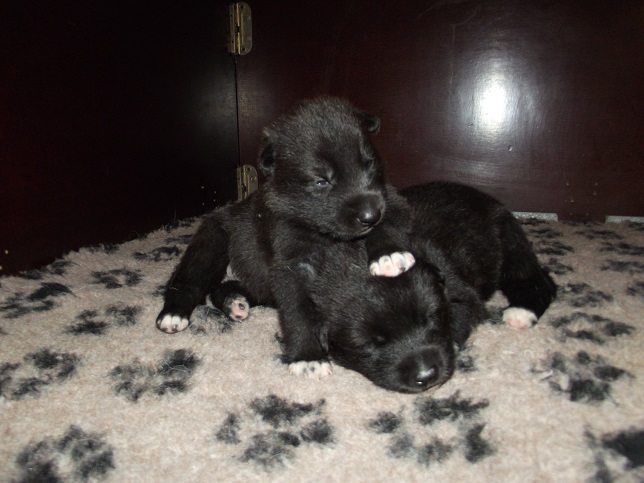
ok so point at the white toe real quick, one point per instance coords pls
(172, 323)
(392, 265)
(310, 369)
(403, 260)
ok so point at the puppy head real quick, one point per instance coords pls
(397, 332)
(323, 170)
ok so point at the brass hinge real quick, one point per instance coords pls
(240, 40)
(246, 181)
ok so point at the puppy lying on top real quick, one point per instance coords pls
(402, 332)
(325, 185)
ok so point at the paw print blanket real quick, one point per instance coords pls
(90, 390)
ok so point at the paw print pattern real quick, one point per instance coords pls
(37, 371)
(272, 430)
(107, 248)
(635, 226)
(40, 300)
(170, 376)
(161, 254)
(556, 267)
(59, 267)
(622, 248)
(459, 414)
(178, 240)
(118, 278)
(76, 456)
(636, 290)
(541, 233)
(582, 378)
(589, 327)
(618, 456)
(183, 223)
(465, 362)
(552, 248)
(630, 267)
(95, 323)
(597, 233)
(159, 291)
(583, 295)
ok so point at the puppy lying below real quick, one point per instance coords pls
(402, 332)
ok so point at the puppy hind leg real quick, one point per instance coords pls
(519, 318)
(202, 266)
(232, 299)
(525, 283)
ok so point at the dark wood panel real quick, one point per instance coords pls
(116, 117)
(539, 103)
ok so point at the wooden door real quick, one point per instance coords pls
(538, 103)
(115, 118)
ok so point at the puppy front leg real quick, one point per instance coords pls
(303, 343)
(303, 351)
(388, 243)
(466, 310)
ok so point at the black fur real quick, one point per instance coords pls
(401, 332)
(482, 241)
(325, 185)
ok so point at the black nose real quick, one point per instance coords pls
(422, 369)
(427, 376)
(369, 217)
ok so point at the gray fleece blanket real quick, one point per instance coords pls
(90, 390)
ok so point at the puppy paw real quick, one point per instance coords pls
(172, 323)
(310, 369)
(392, 265)
(236, 307)
(519, 318)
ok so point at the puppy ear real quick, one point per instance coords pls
(370, 122)
(267, 159)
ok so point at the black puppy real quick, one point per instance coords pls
(484, 244)
(401, 332)
(325, 185)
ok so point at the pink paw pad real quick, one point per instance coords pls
(238, 308)
(392, 265)
(519, 318)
